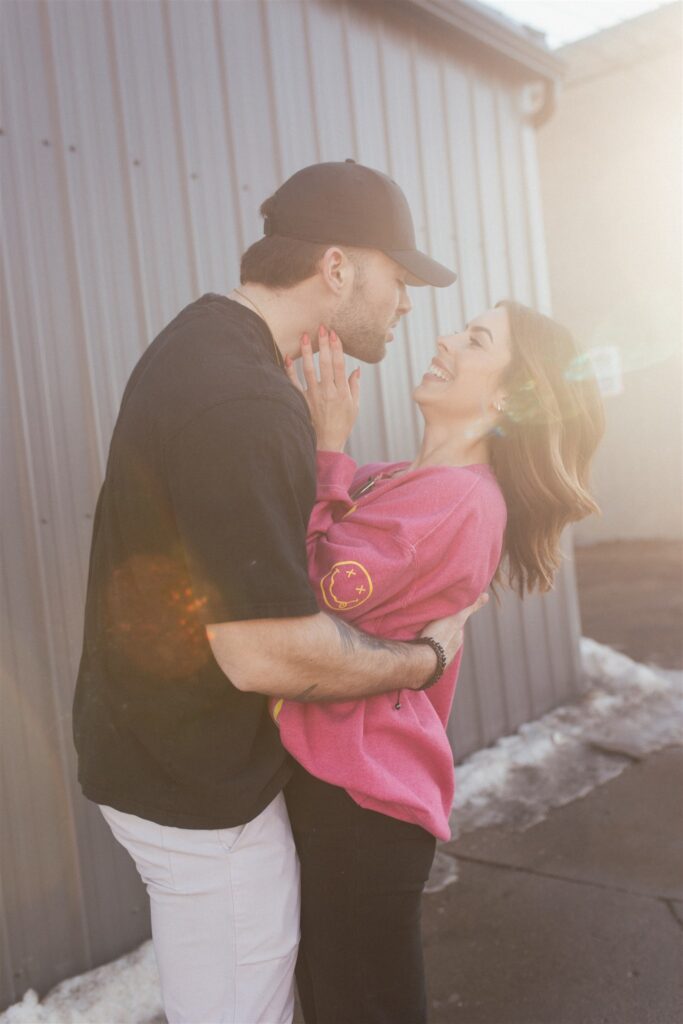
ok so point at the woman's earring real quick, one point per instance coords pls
(499, 407)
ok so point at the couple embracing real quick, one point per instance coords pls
(273, 633)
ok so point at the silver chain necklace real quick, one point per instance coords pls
(278, 353)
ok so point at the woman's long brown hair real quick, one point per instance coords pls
(541, 453)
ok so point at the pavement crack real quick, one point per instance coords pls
(558, 878)
(676, 910)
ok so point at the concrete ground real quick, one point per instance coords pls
(631, 597)
(579, 920)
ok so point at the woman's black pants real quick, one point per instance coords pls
(362, 876)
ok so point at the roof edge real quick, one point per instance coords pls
(494, 32)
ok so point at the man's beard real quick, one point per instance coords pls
(362, 336)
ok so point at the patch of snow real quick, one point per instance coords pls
(444, 872)
(125, 991)
(629, 711)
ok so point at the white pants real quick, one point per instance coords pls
(225, 915)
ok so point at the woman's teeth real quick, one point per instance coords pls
(435, 371)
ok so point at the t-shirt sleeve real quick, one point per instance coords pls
(242, 482)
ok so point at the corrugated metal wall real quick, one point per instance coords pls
(138, 140)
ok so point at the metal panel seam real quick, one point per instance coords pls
(180, 148)
(133, 234)
(311, 85)
(267, 49)
(227, 125)
(451, 182)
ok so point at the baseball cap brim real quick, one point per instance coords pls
(422, 269)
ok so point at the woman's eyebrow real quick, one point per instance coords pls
(476, 327)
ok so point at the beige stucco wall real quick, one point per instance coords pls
(610, 163)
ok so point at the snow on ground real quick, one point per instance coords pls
(123, 992)
(627, 712)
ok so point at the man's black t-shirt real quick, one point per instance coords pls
(202, 518)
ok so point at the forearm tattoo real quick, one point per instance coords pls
(354, 639)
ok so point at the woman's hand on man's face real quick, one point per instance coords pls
(332, 400)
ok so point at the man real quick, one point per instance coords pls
(198, 598)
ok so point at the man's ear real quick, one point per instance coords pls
(336, 269)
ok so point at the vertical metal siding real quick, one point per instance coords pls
(365, 99)
(35, 762)
(139, 140)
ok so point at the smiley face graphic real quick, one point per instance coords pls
(347, 585)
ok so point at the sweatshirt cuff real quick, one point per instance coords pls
(335, 468)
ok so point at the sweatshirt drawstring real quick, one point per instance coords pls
(397, 705)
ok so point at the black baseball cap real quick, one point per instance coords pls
(346, 203)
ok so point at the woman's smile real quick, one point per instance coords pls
(439, 371)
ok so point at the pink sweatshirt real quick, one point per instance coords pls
(414, 548)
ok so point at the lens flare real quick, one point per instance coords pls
(645, 329)
(154, 617)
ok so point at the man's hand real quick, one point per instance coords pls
(450, 632)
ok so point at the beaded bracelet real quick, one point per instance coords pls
(441, 659)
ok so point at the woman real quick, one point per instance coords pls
(509, 434)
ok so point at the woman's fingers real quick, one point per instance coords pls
(308, 364)
(338, 360)
(290, 370)
(325, 362)
(331, 372)
(332, 400)
(354, 387)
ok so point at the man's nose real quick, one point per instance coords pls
(404, 303)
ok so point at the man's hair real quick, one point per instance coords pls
(279, 262)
